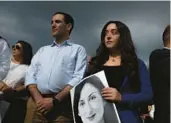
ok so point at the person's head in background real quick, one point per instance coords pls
(22, 52)
(166, 36)
(89, 105)
(62, 25)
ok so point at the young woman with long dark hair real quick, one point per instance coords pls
(127, 75)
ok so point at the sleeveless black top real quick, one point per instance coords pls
(114, 76)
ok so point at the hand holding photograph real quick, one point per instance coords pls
(88, 104)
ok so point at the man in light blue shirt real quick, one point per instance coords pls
(54, 70)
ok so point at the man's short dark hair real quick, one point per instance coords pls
(67, 19)
(166, 34)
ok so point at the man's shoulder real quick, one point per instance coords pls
(78, 46)
(155, 53)
(160, 56)
(46, 47)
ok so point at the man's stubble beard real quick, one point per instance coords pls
(59, 36)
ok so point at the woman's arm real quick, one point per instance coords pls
(10, 93)
(6, 88)
(3, 86)
(145, 94)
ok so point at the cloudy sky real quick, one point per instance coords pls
(30, 21)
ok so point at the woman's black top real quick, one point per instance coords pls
(114, 76)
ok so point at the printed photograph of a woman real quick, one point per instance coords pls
(89, 106)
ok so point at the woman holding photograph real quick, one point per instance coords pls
(89, 105)
(127, 76)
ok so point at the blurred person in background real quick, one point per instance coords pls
(4, 62)
(12, 86)
(159, 66)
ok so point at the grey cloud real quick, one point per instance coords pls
(30, 21)
(12, 25)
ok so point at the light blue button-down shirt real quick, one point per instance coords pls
(57, 65)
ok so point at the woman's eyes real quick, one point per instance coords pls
(114, 32)
(82, 104)
(92, 98)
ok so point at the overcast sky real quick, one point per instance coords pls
(30, 21)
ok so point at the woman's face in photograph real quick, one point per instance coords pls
(91, 104)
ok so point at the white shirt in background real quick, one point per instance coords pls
(16, 75)
(151, 113)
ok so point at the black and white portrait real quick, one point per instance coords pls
(87, 103)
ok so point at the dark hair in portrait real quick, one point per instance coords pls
(67, 19)
(129, 60)
(108, 108)
(27, 52)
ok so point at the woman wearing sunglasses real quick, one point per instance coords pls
(13, 85)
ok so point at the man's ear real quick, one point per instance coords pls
(69, 26)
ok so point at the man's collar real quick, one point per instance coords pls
(167, 48)
(67, 42)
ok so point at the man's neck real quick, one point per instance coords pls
(167, 46)
(61, 40)
(114, 53)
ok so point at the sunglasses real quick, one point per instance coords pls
(16, 47)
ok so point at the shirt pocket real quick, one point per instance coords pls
(68, 63)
